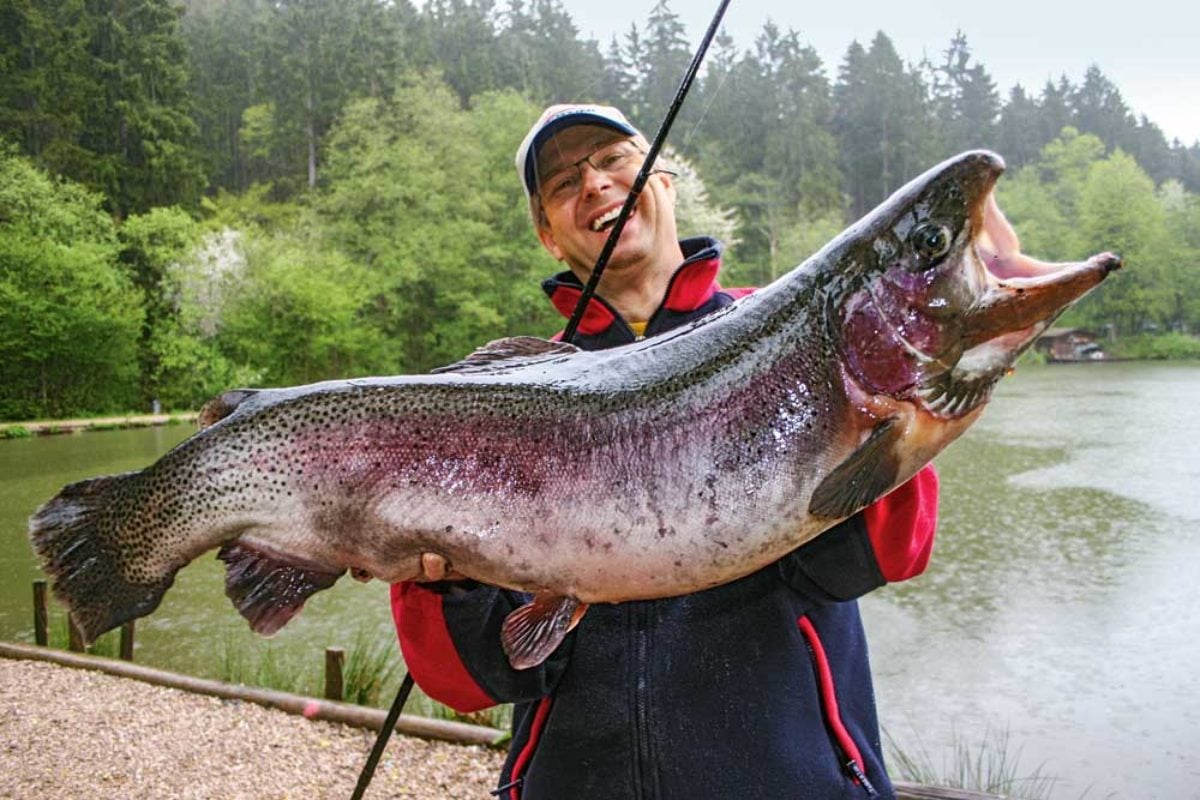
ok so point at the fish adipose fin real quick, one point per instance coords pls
(267, 590)
(515, 351)
(75, 534)
(532, 632)
(862, 478)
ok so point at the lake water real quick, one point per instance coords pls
(1059, 609)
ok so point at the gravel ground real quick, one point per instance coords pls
(73, 734)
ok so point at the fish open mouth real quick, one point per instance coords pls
(1018, 297)
(1021, 295)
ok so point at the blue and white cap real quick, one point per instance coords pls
(557, 118)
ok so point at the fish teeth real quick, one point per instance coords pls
(951, 397)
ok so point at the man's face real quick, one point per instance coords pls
(577, 222)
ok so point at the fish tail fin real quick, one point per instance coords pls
(267, 588)
(75, 535)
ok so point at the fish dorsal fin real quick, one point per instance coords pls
(222, 406)
(267, 589)
(862, 478)
(515, 351)
(532, 632)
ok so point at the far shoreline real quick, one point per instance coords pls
(21, 430)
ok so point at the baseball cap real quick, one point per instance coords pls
(556, 118)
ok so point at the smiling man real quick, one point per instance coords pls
(759, 688)
(579, 165)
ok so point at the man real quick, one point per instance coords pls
(756, 689)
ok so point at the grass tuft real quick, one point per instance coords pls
(371, 663)
(265, 666)
(57, 636)
(993, 766)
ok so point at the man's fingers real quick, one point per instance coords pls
(434, 567)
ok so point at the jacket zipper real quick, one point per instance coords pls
(645, 776)
(840, 738)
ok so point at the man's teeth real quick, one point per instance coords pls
(602, 221)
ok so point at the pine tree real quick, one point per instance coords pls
(882, 122)
(965, 102)
(666, 58)
(1055, 107)
(1018, 133)
(1098, 108)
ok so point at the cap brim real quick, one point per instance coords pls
(559, 124)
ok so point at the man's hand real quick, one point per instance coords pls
(435, 567)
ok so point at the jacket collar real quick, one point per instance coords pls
(691, 286)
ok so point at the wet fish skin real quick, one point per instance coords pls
(651, 470)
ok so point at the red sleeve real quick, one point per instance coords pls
(901, 525)
(429, 652)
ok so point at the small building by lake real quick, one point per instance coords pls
(1070, 344)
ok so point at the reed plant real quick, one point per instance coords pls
(992, 766)
(265, 666)
(58, 636)
(372, 663)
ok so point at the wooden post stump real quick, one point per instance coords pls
(335, 658)
(127, 641)
(40, 615)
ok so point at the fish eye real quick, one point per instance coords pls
(931, 240)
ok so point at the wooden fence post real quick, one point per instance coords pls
(40, 615)
(335, 657)
(127, 641)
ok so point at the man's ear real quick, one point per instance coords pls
(548, 241)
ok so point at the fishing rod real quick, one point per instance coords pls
(385, 733)
(406, 686)
(643, 174)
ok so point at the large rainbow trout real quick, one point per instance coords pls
(651, 470)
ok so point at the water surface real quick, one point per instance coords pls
(1061, 605)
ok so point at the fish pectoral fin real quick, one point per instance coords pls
(515, 351)
(863, 477)
(266, 588)
(532, 632)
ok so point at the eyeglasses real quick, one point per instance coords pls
(564, 183)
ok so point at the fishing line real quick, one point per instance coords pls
(712, 98)
(643, 174)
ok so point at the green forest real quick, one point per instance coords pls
(229, 193)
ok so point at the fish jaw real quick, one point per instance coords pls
(1023, 295)
(947, 302)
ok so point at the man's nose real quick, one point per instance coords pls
(592, 179)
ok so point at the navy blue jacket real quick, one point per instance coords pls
(760, 688)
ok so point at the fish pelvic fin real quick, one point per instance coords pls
(532, 632)
(862, 478)
(515, 351)
(267, 588)
(76, 536)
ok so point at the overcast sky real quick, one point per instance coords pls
(1149, 48)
